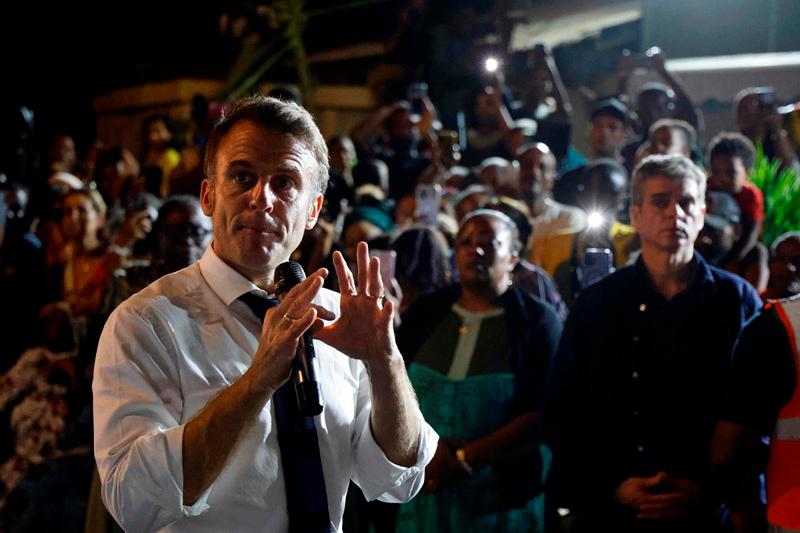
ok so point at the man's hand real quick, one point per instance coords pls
(281, 332)
(658, 497)
(364, 329)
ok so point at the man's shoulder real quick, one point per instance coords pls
(618, 288)
(728, 281)
(164, 291)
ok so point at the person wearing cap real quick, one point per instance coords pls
(719, 235)
(656, 101)
(609, 130)
(632, 398)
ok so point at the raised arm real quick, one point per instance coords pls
(364, 331)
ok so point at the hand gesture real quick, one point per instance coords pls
(364, 329)
(282, 329)
(658, 497)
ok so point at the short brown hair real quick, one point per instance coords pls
(673, 167)
(271, 113)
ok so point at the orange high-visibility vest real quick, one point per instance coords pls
(783, 470)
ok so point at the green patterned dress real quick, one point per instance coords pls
(464, 409)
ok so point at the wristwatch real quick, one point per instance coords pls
(461, 458)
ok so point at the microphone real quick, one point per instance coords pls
(304, 371)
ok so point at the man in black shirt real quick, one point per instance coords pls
(632, 400)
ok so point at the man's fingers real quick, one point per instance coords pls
(362, 263)
(299, 297)
(374, 282)
(323, 313)
(343, 274)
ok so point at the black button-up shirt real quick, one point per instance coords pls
(638, 381)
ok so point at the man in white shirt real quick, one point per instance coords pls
(186, 437)
(537, 176)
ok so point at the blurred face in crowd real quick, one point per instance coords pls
(182, 237)
(501, 178)
(401, 129)
(714, 243)
(355, 233)
(63, 151)
(80, 219)
(485, 255)
(606, 135)
(537, 172)
(784, 268)
(671, 215)
(726, 174)
(750, 115)
(343, 155)
(158, 135)
(667, 140)
(541, 85)
(470, 203)
(263, 197)
(485, 108)
(653, 105)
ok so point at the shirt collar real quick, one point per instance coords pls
(703, 278)
(226, 282)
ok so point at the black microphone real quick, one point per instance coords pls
(304, 371)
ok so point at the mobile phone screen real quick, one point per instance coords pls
(596, 264)
(427, 203)
(388, 260)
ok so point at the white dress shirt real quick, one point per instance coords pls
(170, 349)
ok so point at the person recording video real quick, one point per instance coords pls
(196, 424)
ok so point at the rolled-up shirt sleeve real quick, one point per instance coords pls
(375, 474)
(137, 431)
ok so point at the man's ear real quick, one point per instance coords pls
(313, 212)
(207, 197)
(634, 213)
(702, 217)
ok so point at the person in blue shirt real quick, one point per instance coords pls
(637, 383)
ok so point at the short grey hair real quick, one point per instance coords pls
(672, 167)
(271, 113)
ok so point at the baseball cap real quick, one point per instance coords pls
(611, 107)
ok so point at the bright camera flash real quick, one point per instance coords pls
(491, 64)
(594, 220)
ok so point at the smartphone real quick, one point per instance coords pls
(388, 260)
(428, 198)
(597, 263)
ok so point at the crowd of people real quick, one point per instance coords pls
(568, 320)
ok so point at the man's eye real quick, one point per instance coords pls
(242, 177)
(283, 183)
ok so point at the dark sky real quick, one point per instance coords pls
(56, 58)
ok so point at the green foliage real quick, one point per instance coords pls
(781, 188)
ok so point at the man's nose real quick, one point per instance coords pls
(261, 195)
